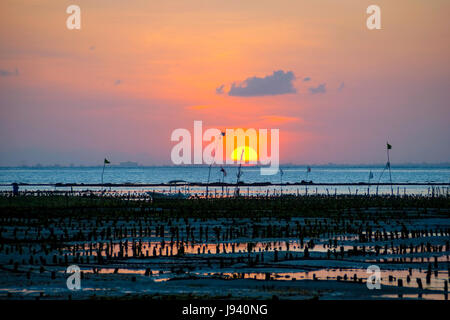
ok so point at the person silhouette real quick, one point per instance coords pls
(15, 187)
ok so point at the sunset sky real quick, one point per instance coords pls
(137, 70)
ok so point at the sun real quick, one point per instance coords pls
(250, 155)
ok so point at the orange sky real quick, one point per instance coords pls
(139, 69)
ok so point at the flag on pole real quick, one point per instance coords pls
(388, 165)
(223, 171)
(281, 171)
(105, 162)
(370, 175)
(308, 169)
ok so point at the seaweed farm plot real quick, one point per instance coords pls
(312, 247)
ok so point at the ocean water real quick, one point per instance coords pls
(291, 174)
(318, 174)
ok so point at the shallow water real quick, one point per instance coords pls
(242, 248)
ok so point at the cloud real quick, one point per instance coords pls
(219, 90)
(321, 88)
(117, 82)
(341, 86)
(306, 79)
(7, 73)
(279, 82)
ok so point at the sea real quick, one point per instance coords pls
(250, 174)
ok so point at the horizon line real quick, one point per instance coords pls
(138, 165)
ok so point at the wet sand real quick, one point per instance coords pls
(313, 247)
